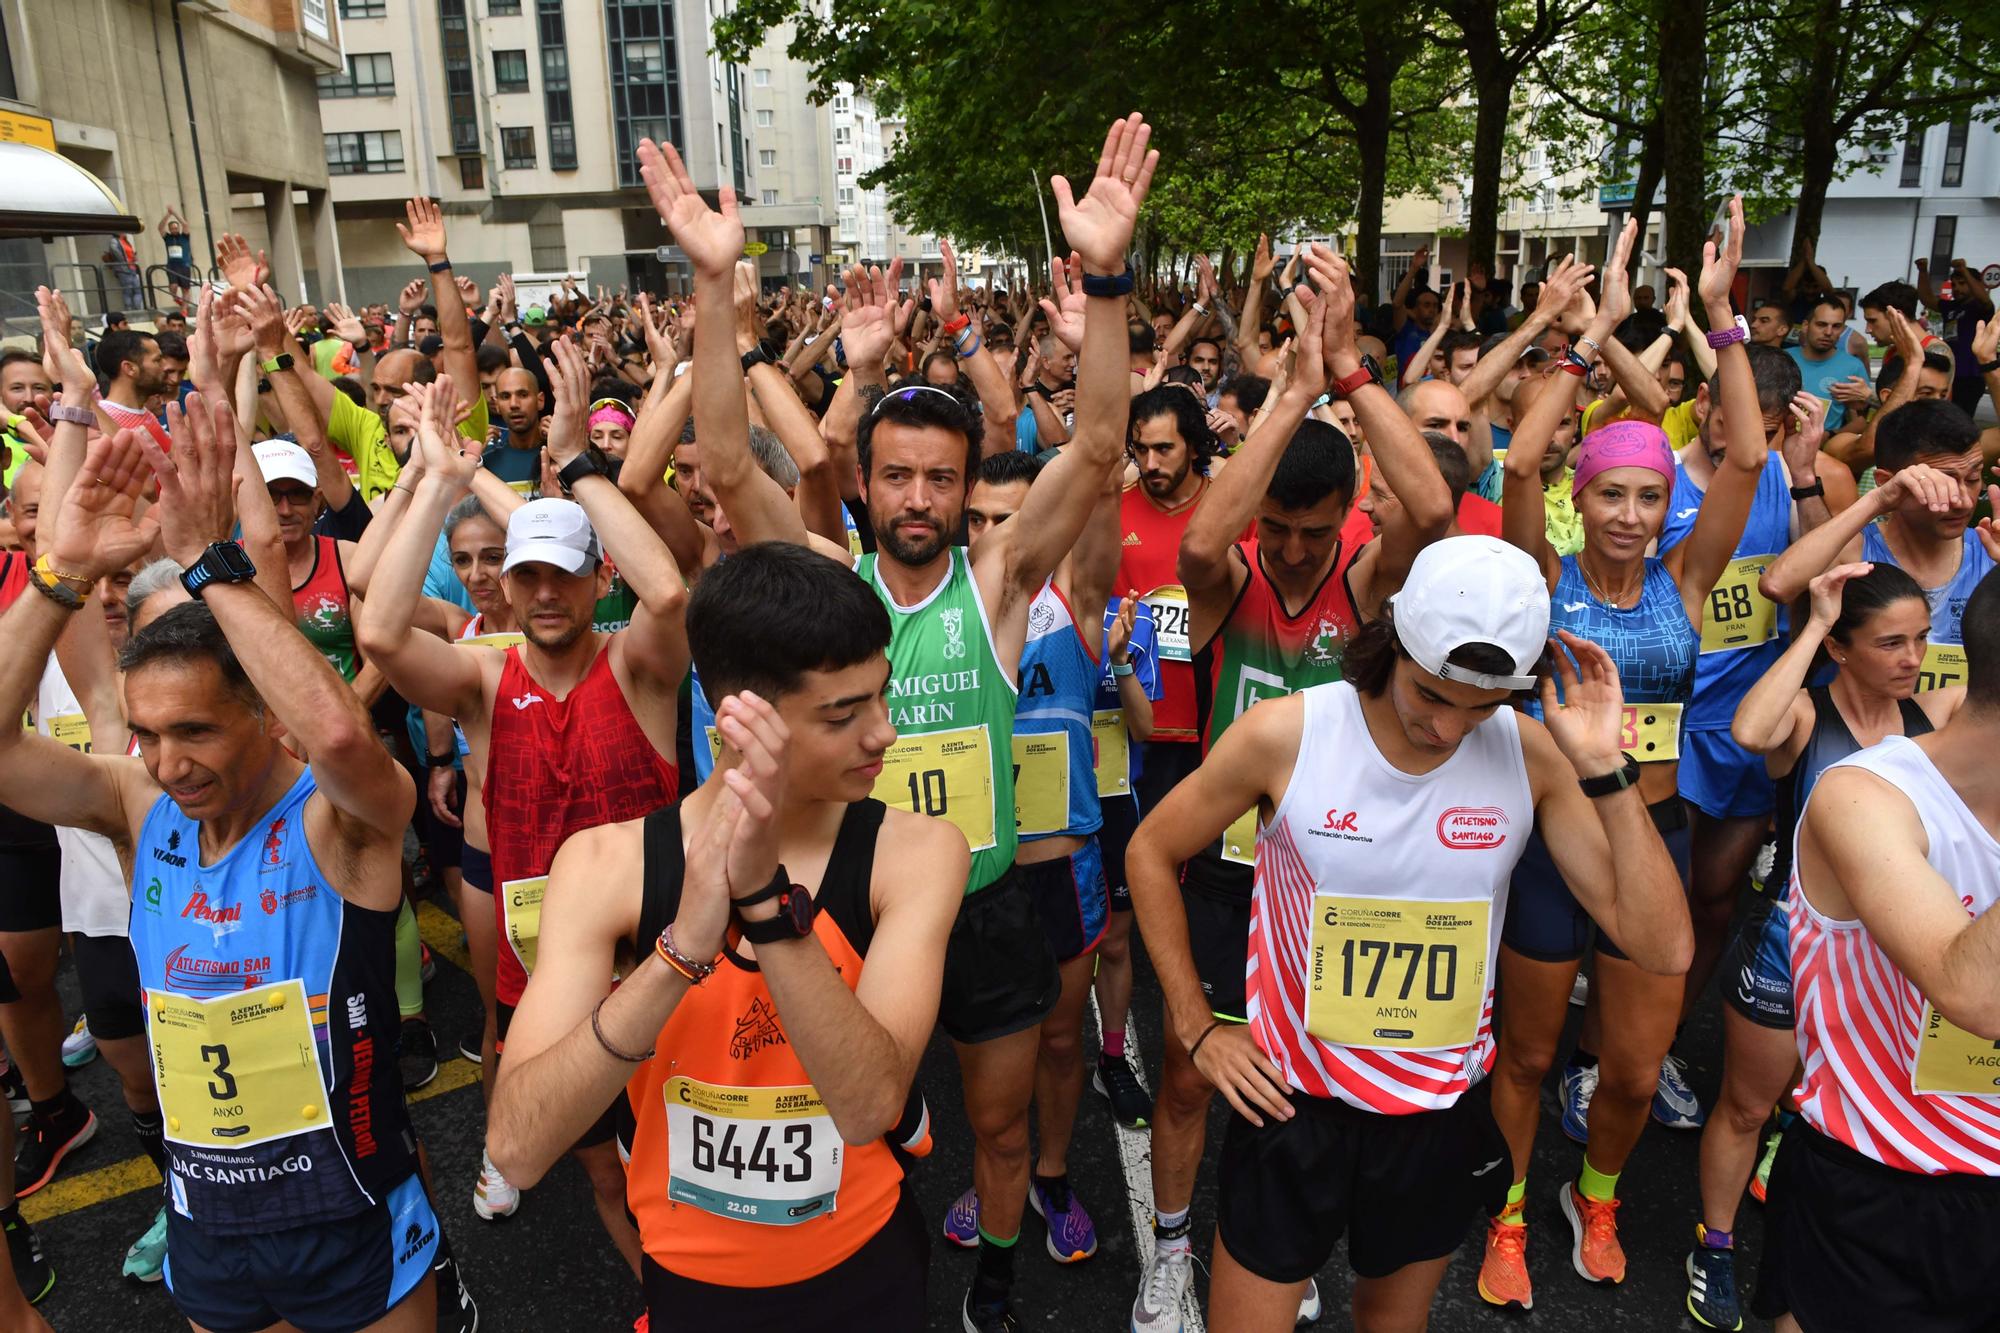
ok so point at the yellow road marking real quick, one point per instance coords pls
(440, 930)
(136, 1173)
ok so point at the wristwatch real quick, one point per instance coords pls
(1818, 488)
(1614, 782)
(951, 327)
(1115, 284)
(1369, 372)
(445, 760)
(75, 416)
(759, 355)
(282, 361)
(583, 465)
(1736, 333)
(1988, 367)
(222, 562)
(796, 910)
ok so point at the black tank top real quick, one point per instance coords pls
(1829, 743)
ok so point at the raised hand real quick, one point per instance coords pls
(468, 292)
(1802, 442)
(944, 291)
(62, 363)
(1335, 285)
(1099, 226)
(1826, 591)
(198, 480)
(411, 299)
(343, 324)
(1261, 263)
(1986, 341)
(712, 239)
(1308, 378)
(241, 266)
(1204, 286)
(1718, 268)
(1561, 285)
(1065, 312)
(1988, 538)
(1587, 723)
(569, 424)
(1118, 637)
(1936, 491)
(872, 313)
(659, 345)
(1677, 299)
(1614, 283)
(749, 312)
(423, 235)
(440, 450)
(98, 533)
(751, 727)
(259, 306)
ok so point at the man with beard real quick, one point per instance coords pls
(517, 460)
(1829, 370)
(569, 726)
(959, 625)
(134, 371)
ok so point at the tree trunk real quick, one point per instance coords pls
(1683, 75)
(1646, 184)
(1371, 137)
(1819, 135)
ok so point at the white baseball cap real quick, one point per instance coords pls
(554, 532)
(1474, 589)
(285, 460)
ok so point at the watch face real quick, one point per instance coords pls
(1373, 367)
(799, 906)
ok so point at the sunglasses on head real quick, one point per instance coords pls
(910, 391)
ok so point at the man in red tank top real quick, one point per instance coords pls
(571, 727)
(770, 1032)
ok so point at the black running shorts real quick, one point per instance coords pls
(1000, 975)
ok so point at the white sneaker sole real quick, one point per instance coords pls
(487, 1212)
(1576, 1244)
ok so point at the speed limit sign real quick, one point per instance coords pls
(1990, 275)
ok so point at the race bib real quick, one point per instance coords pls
(521, 908)
(1170, 616)
(1239, 840)
(1111, 752)
(525, 487)
(1041, 783)
(1651, 733)
(766, 1155)
(499, 639)
(1396, 974)
(71, 729)
(947, 774)
(1944, 666)
(1952, 1060)
(1739, 616)
(237, 1070)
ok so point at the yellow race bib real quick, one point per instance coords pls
(1170, 617)
(1737, 615)
(1651, 733)
(768, 1155)
(1111, 750)
(1239, 840)
(238, 1070)
(1952, 1060)
(502, 640)
(71, 729)
(948, 774)
(1041, 783)
(525, 488)
(1396, 974)
(1944, 666)
(521, 906)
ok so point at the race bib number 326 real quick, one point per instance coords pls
(766, 1155)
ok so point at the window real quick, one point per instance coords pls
(363, 9)
(500, 8)
(510, 71)
(1954, 152)
(459, 96)
(1944, 239)
(472, 173)
(767, 197)
(645, 84)
(761, 78)
(365, 76)
(844, 165)
(767, 157)
(845, 196)
(517, 148)
(764, 120)
(365, 153)
(841, 103)
(549, 32)
(7, 87)
(1913, 159)
(842, 134)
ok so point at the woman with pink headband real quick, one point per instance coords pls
(1646, 613)
(611, 426)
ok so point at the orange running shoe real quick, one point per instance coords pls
(1597, 1254)
(1503, 1274)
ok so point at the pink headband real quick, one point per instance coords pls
(1623, 444)
(613, 413)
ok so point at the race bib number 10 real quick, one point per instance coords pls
(1396, 974)
(767, 1155)
(947, 774)
(237, 1070)
(1952, 1060)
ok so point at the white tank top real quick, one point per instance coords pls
(1884, 1073)
(1377, 908)
(96, 895)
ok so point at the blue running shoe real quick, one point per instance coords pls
(1072, 1235)
(148, 1254)
(1578, 1087)
(1711, 1297)
(1674, 1102)
(961, 1221)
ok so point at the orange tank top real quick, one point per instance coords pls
(727, 1135)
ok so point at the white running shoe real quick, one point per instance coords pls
(1309, 1307)
(79, 1048)
(1579, 990)
(1161, 1289)
(492, 1196)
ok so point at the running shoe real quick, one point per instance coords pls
(44, 1144)
(1162, 1288)
(1760, 872)
(492, 1196)
(1118, 1083)
(1597, 1255)
(1762, 1178)
(1579, 990)
(428, 968)
(961, 1221)
(1711, 1297)
(457, 1311)
(417, 1054)
(470, 1048)
(997, 1317)
(79, 1048)
(1579, 1085)
(148, 1255)
(1674, 1102)
(1072, 1235)
(1503, 1274)
(31, 1269)
(16, 1089)
(1309, 1305)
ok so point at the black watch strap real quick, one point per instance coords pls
(779, 883)
(448, 759)
(222, 562)
(1818, 488)
(583, 465)
(1988, 367)
(1610, 784)
(759, 355)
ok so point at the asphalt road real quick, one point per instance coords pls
(548, 1268)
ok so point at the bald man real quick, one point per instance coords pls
(518, 402)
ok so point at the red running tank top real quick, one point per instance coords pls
(13, 577)
(553, 767)
(1146, 570)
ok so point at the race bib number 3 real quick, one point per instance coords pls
(1041, 783)
(1111, 752)
(946, 774)
(1737, 615)
(521, 910)
(765, 1155)
(1396, 974)
(238, 1070)
(1170, 615)
(1239, 840)
(1651, 733)
(1952, 1060)
(1944, 666)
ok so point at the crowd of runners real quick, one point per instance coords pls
(770, 677)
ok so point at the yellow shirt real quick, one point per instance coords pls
(361, 434)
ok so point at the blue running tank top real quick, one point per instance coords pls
(1944, 659)
(1652, 644)
(1118, 777)
(702, 715)
(1055, 774)
(1742, 631)
(272, 1021)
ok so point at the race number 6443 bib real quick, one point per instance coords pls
(239, 1069)
(1737, 614)
(1396, 974)
(1952, 1060)
(521, 910)
(948, 774)
(768, 1155)
(1041, 783)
